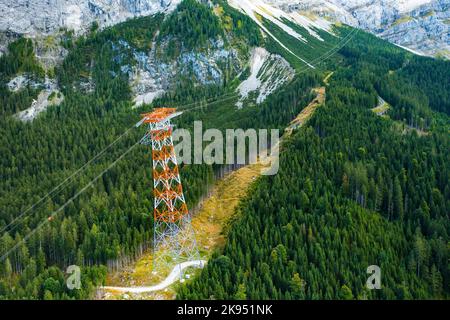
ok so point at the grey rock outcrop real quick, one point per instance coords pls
(421, 25)
(47, 16)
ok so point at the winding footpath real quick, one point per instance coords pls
(173, 277)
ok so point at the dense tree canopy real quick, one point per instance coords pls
(353, 189)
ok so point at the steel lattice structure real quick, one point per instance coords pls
(174, 238)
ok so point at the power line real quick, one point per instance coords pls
(228, 96)
(64, 183)
(65, 180)
(18, 244)
(333, 50)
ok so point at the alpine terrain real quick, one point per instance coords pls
(358, 90)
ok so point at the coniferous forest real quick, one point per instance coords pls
(354, 190)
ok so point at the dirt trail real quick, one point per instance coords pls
(171, 278)
(308, 111)
(210, 224)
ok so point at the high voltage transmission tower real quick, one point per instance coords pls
(174, 238)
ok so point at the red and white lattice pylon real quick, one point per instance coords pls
(174, 237)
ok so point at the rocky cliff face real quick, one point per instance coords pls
(425, 29)
(47, 16)
(420, 25)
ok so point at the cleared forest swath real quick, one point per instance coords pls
(171, 278)
(210, 223)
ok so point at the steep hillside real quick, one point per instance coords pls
(99, 217)
(37, 17)
(420, 25)
(231, 65)
(168, 54)
(21, 77)
(354, 190)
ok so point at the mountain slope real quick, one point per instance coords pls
(354, 190)
(158, 54)
(37, 17)
(205, 69)
(109, 224)
(420, 25)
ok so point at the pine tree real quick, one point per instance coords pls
(297, 286)
(398, 199)
(346, 293)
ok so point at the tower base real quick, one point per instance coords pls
(174, 244)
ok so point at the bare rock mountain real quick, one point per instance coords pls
(47, 16)
(420, 25)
